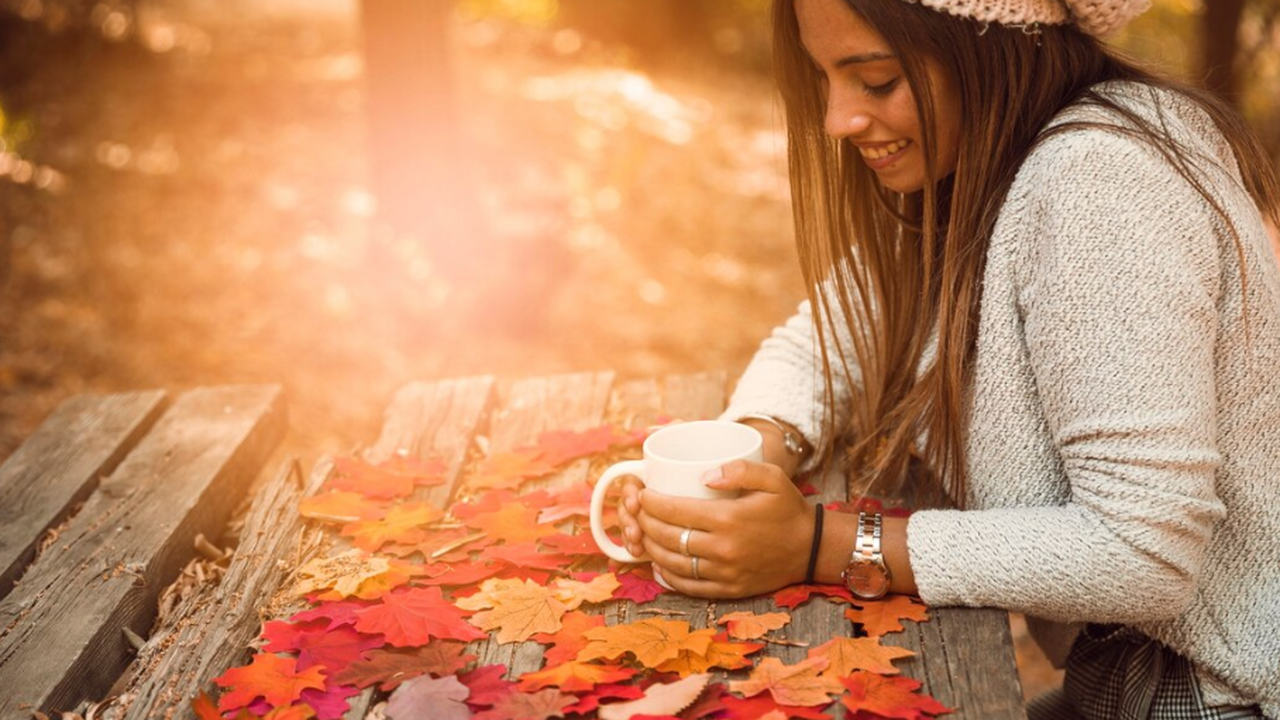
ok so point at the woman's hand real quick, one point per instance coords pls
(628, 509)
(745, 546)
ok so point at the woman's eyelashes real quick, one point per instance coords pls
(882, 89)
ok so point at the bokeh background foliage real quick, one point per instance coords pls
(346, 195)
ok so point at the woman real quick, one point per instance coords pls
(1046, 300)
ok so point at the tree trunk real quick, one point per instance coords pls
(1220, 42)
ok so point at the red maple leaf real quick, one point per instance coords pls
(761, 705)
(570, 638)
(525, 555)
(508, 470)
(573, 501)
(390, 479)
(275, 679)
(795, 595)
(588, 702)
(890, 697)
(337, 613)
(330, 703)
(541, 705)
(318, 644)
(409, 618)
(458, 574)
(576, 545)
(487, 685)
(392, 667)
(561, 446)
(637, 588)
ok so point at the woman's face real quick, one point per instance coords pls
(869, 102)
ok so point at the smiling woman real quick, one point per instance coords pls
(1041, 288)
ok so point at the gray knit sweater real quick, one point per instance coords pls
(1124, 444)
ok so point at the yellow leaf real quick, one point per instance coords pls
(849, 654)
(750, 626)
(799, 684)
(653, 641)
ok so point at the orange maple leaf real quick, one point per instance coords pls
(513, 523)
(273, 678)
(374, 587)
(849, 654)
(890, 697)
(574, 593)
(520, 608)
(799, 684)
(574, 676)
(343, 507)
(652, 641)
(388, 479)
(750, 626)
(508, 469)
(412, 617)
(560, 446)
(404, 524)
(570, 638)
(721, 653)
(882, 617)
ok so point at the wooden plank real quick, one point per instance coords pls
(59, 467)
(214, 628)
(424, 420)
(531, 407)
(61, 629)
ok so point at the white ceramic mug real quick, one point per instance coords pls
(674, 459)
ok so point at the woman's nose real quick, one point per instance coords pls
(845, 118)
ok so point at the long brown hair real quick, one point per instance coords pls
(897, 264)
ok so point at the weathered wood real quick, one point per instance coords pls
(425, 420)
(59, 466)
(531, 407)
(214, 628)
(61, 629)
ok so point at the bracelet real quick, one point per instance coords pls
(789, 439)
(817, 540)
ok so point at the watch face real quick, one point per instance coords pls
(866, 580)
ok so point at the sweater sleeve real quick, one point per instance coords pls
(784, 379)
(1119, 284)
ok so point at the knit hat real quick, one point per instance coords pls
(1095, 17)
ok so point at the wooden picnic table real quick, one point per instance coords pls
(100, 510)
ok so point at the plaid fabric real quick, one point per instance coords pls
(1114, 673)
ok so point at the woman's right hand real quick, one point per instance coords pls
(628, 509)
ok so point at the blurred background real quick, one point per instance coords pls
(343, 196)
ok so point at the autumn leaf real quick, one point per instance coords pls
(574, 676)
(890, 697)
(660, 699)
(328, 704)
(487, 685)
(560, 446)
(762, 707)
(795, 595)
(573, 501)
(337, 613)
(637, 588)
(798, 684)
(506, 470)
(343, 573)
(570, 638)
(849, 654)
(574, 592)
(393, 478)
(409, 618)
(524, 555)
(275, 679)
(885, 616)
(404, 524)
(518, 609)
(392, 667)
(588, 702)
(721, 653)
(204, 708)
(577, 545)
(652, 641)
(513, 523)
(341, 507)
(435, 698)
(541, 705)
(375, 587)
(750, 626)
(318, 644)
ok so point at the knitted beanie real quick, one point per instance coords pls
(1096, 17)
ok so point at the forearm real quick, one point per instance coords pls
(774, 451)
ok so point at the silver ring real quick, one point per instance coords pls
(684, 541)
(693, 563)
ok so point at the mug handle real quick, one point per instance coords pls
(607, 545)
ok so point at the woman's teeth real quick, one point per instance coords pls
(887, 150)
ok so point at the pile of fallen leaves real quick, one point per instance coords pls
(419, 583)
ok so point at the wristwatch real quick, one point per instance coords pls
(866, 575)
(790, 440)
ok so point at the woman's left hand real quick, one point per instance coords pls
(748, 545)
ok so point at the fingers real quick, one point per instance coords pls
(744, 475)
(628, 509)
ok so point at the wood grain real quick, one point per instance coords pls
(61, 629)
(85, 438)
